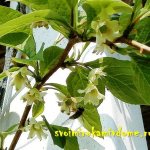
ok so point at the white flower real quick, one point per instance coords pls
(92, 95)
(33, 95)
(68, 104)
(95, 74)
(19, 78)
(105, 30)
(35, 129)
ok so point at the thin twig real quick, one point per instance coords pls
(44, 79)
(133, 43)
(138, 45)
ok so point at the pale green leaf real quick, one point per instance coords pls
(38, 109)
(8, 14)
(25, 61)
(34, 4)
(4, 74)
(94, 7)
(27, 19)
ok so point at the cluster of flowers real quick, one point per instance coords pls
(33, 96)
(91, 94)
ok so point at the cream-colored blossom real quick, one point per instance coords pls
(92, 95)
(95, 74)
(19, 78)
(68, 104)
(105, 29)
(33, 95)
(35, 129)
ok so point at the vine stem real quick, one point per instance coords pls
(27, 109)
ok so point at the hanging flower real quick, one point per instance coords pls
(92, 95)
(105, 29)
(68, 104)
(95, 74)
(35, 129)
(40, 24)
(33, 95)
(19, 78)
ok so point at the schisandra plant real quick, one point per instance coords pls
(113, 26)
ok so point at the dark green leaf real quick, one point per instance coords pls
(143, 31)
(90, 118)
(77, 80)
(30, 47)
(51, 57)
(13, 39)
(39, 55)
(59, 138)
(120, 80)
(141, 68)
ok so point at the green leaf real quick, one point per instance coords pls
(8, 122)
(143, 32)
(71, 143)
(30, 50)
(61, 88)
(51, 57)
(147, 5)
(120, 80)
(59, 137)
(10, 130)
(94, 7)
(137, 8)
(30, 47)
(141, 68)
(90, 118)
(25, 20)
(24, 61)
(77, 80)
(8, 14)
(124, 21)
(4, 75)
(35, 4)
(37, 109)
(13, 39)
(39, 55)
(64, 8)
